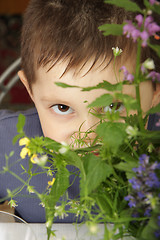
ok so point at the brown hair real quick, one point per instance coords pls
(68, 29)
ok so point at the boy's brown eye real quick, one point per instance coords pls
(62, 109)
(117, 106)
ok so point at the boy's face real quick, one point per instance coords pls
(63, 111)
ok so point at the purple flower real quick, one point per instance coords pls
(140, 195)
(152, 2)
(128, 28)
(139, 19)
(153, 28)
(152, 180)
(154, 75)
(144, 186)
(144, 36)
(148, 20)
(147, 212)
(135, 32)
(132, 202)
(136, 184)
(127, 76)
(158, 222)
(144, 159)
(157, 234)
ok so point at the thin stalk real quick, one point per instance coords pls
(22, 181)
(137, 87)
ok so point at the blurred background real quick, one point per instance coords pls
(11, 12)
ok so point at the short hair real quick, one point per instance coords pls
(55, 30)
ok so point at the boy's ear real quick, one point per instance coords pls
(25, 82)
(156, 96)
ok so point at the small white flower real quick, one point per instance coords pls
(42, 204)
(93, 227)
(60, 212)
(49, 223)
(40, 160)
(12, 203)
(64, 149)
(131, 131)
(117, 51)
(149, 64)
(30, 189)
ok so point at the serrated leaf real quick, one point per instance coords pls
(126, 4)
(96, 171)
(102, 101)
(112, 133)
(21, 123)
(111, 29)
(105, 85)
(155, 109)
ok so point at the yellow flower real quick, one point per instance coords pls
(34, 158)
(24, 141)
(50, 183)
(24, 152)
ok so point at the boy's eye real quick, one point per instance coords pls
(117, 106)
(62, 109)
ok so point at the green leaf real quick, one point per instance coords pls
(156, 8)
(51, 144)
(58, 189)
(96, 171)
(127, 4)
(73, 159)
(102, 101)
(17, 137)
(156, 48)
(155, 109)
(112, 133)
(64, 85)
(105, 203)
(105, 85)
(111, 29)
(129, 102)
(21, 123)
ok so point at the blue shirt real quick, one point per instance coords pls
(29, 207)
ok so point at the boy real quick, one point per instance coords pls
(61, 42)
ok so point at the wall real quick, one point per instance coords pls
(12, 6)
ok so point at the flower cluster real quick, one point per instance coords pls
(25, 150)
(144, 186)
(150, 29)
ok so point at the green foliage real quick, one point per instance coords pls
(58, 189)
(104, 99)
(111, 29)
(96, 171)
(113, 134)
(127, 4)
(105, 85)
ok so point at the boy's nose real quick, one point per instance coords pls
(85, 135)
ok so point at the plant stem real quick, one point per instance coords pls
(137, 86)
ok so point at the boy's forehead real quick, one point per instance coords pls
(63, 68)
